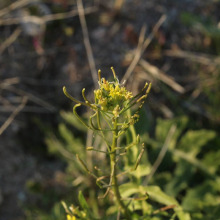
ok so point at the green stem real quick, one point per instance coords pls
(131, 127)
(134, 150)
(115, 185)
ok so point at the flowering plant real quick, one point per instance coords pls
(112, 105)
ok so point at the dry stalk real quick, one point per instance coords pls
(13, 115)
(161, 154)
(195, 57)
(12, 38)
(88, 47)
(158, 74)
(45, 18)
(139, 52)
(13, 6)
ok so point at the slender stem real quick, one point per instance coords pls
(134, 137)
(131, 127)
(99, 126)
(115, 186)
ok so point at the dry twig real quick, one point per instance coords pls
(9, 81)
(139, 52)
(31, 97)
(13, 6)
(10, 40)
(161, 154)
(13, 115)
(158, 74)
(45, 18)
(196, 57)
(31, 109)
(86, 41)
(81, 12)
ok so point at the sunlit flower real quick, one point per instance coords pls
(69, 217)
(111, 96)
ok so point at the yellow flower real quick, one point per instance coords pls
(116, 111)
(69, 217)
(110, 95)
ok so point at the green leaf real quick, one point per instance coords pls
(159, 196)
(72, 144)
(72, 120)
(128, 189)
(212, 160)
(143, 125)
(82, 201)
(65, 133)
(181, 177)
(142, 170)
(155, 194)
(84, 205)
(53, 144)
(206, 194)
(192, 141)
(163, 127)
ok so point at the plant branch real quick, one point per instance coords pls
(115, 186)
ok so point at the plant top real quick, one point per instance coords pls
(112, 98)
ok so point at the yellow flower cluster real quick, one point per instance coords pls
(111, 95)
(69, 217)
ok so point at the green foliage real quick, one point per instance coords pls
(83, 212)
(185, 185)
(68, 117)
(191, 157)
(66, 145)
(177, 155)
(57, 213)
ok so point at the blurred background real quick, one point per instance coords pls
(46, 44)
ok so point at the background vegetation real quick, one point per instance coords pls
(45, 44)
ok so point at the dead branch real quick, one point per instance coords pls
(161, 154)
(158, 74)
(13, 115)
(15, 5)
(195, 57)
(45, 18)
(88, 47)
(139, 52)
(10, 40)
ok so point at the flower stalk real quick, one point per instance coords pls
(113, 162)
